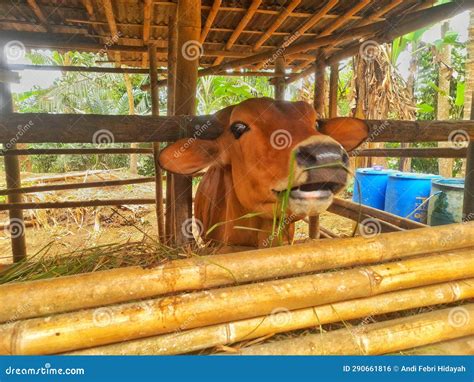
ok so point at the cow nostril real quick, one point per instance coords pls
(306, 157)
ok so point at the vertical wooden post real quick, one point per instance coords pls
(189, 31)
(12, 173)
(170, 224)
(319, 95)
(333, 89)
(280, 85)
(468, 203)
(155, 110)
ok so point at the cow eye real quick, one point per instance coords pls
(238, 128)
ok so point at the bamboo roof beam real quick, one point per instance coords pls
(147, 16)
(283, 15)
(416, 20)
(242, 24)
(314, 19)
(39, 14)
(345, 18)
(210, 20)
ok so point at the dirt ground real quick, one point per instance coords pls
(68, 230)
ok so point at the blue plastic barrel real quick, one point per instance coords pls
(373, 183)
(406, 192)
(446, 202)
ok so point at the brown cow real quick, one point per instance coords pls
(249, 167)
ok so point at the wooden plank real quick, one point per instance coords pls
(85, 69)
(39, 14)
(64, 128)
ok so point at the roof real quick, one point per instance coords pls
(108, 25)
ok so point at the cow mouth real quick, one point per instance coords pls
(319, 190)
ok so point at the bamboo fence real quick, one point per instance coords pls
(111, 324)
(47, 297)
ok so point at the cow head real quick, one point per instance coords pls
(272, 146)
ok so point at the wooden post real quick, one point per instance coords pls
(468, 203)
(187, 62)
(280, 85)
(12, 173)
(155, 110)
(333, 89)
(319, 93)
(170, 223)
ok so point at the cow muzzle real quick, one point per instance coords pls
(322, 174)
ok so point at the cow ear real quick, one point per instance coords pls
(188, 156)
(349, 132)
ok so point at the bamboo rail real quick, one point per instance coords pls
(460, 152)
(74, 186)
(87, 328)
(74, 204)
(117, 150)
(283, 320)
(351, 210)
(380, 338)
(53, 295)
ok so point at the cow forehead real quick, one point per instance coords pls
(267, 113)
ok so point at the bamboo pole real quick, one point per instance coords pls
(12, 170)
(458, 346)
(280, 85)
(52, 296)
(155, 110)
(115, 150)
(75, 204)
(170, 216)
(75, 186)
(380, 338)
(468, 202)
(319, 98)
(333, 90)
(189, 30)
(105, 325)
(355, 209)
(283, 320)
(412, 152)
